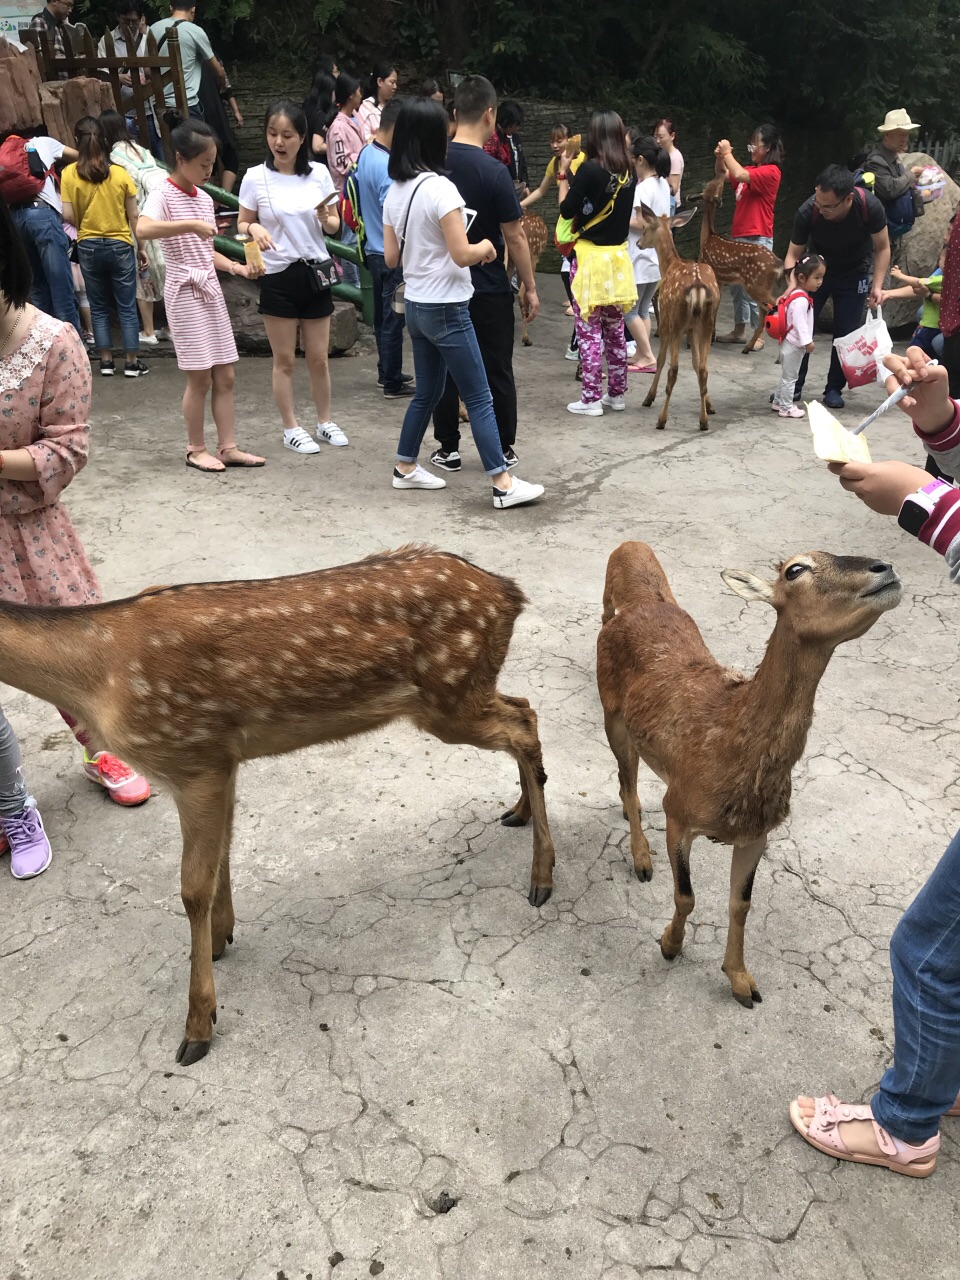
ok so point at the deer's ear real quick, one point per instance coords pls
(747, 585)
(682, 218)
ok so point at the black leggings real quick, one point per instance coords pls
(565, 277)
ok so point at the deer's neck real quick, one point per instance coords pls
(666, 251)
(780, 698)
(53, 654)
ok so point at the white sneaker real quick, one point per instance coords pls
(417, 479)
(299, 441)
(593, 410)
(149, 340)
(631, 350)
(518, 493)
(330, 432)
(616, 403)
(571, 353)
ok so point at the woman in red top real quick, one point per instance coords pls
(757, 186)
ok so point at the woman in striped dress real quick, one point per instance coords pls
(180, 213)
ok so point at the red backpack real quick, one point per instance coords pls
(22, 172)
(776, 321)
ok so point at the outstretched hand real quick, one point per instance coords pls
(882, 486)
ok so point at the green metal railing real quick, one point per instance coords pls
(362, 297)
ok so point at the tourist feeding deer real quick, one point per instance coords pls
(723, 743)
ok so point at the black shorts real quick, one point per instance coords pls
(289, 295)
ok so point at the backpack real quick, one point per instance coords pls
(900, 213)
(776, 321)
(22, 172)
(350, 211)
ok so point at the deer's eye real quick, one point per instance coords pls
(795, 571)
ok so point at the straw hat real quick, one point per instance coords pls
(898, 119)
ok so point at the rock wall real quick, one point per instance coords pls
(242, 297)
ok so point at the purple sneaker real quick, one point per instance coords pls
(30, 851)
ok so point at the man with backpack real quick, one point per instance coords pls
(365, 190)
(847, 226)
(195, 50)
(30, 187)
(886, 177)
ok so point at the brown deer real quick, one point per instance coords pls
(689, 298)
(535, 229)
(723, 743)
(751, 265)
(190, 681)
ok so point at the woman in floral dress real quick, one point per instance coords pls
(44, 411)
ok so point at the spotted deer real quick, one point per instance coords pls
(535, 229)
(689, 298)
(188, 682)
(751, 265)
(723, 743)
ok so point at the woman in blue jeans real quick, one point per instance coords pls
(100, 200)
(899, 1128)
(424, 232)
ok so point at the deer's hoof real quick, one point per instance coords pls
(230, 938)
(192, 1051)
(704, 426)
(746, 1001)
(644, 873)
(539, 894)
(513, 819)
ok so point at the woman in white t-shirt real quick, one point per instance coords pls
(425, 232)
(652, 196)
(286, 204)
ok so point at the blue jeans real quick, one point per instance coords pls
(925, 957)
(351, 272)
(387, 323)
(849, 292)
(110, 271)
(443, 338)
(745, 310)
(41, 230)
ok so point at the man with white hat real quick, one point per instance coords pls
(892, 185)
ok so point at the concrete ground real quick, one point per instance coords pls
(415, 1074)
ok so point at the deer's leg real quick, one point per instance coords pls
(621, 744)
(679, 840)
(203, 805)
(746, 858)
(671, 381)
(700, 354)
(661, 361)
(524, 335)
(222, 919)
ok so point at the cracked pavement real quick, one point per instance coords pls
(414, 1073)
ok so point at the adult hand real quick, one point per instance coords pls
(881, 485)
(530, 306)
(723, 148)
(260, 236)
(203, 230)
(486, 252)
(916, 170)
(238, 117)
(142, 259)
(875, 297)
(928, 404)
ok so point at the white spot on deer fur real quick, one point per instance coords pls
(340, 631)
(306, 607)
(139, 686)
(467, 640)
(135, 667)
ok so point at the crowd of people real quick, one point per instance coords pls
(435, 194)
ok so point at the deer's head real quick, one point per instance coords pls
(713, 191)
(826, 599)
(656, 227)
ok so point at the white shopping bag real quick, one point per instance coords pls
(861, 352)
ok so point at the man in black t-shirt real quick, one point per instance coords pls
(493, 213)
(847, 226)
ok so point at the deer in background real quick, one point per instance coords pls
(724, 744)
(689, 298)
(751, 265)
(535, 229)
(190, 681)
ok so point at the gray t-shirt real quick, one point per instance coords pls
(195, 50)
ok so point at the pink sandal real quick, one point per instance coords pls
(823, 1132)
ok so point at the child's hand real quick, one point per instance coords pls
(895, 271)
(928, 404)
(809, 347)
(248, 271)
(204, 230)
(881, 485)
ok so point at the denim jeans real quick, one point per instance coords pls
(110, 271)
(849, 292)
(387, 323)
(745, 310)
(41, 230)
(351, 272)
(924, 1080)
(443, 338)
(492, 316)
(13, 790)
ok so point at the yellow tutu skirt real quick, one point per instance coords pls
(604, 277)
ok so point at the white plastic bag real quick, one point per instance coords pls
(861, 353)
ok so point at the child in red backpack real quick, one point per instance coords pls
(796, 335)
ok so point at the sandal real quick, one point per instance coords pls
(207, 471)
(241, 460)
(641, 368)
(822, 1131)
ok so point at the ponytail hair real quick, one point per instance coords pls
(649, 150)
(190, 138)
(381, 71)
(93, 164)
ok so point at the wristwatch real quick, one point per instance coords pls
(918, 507)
